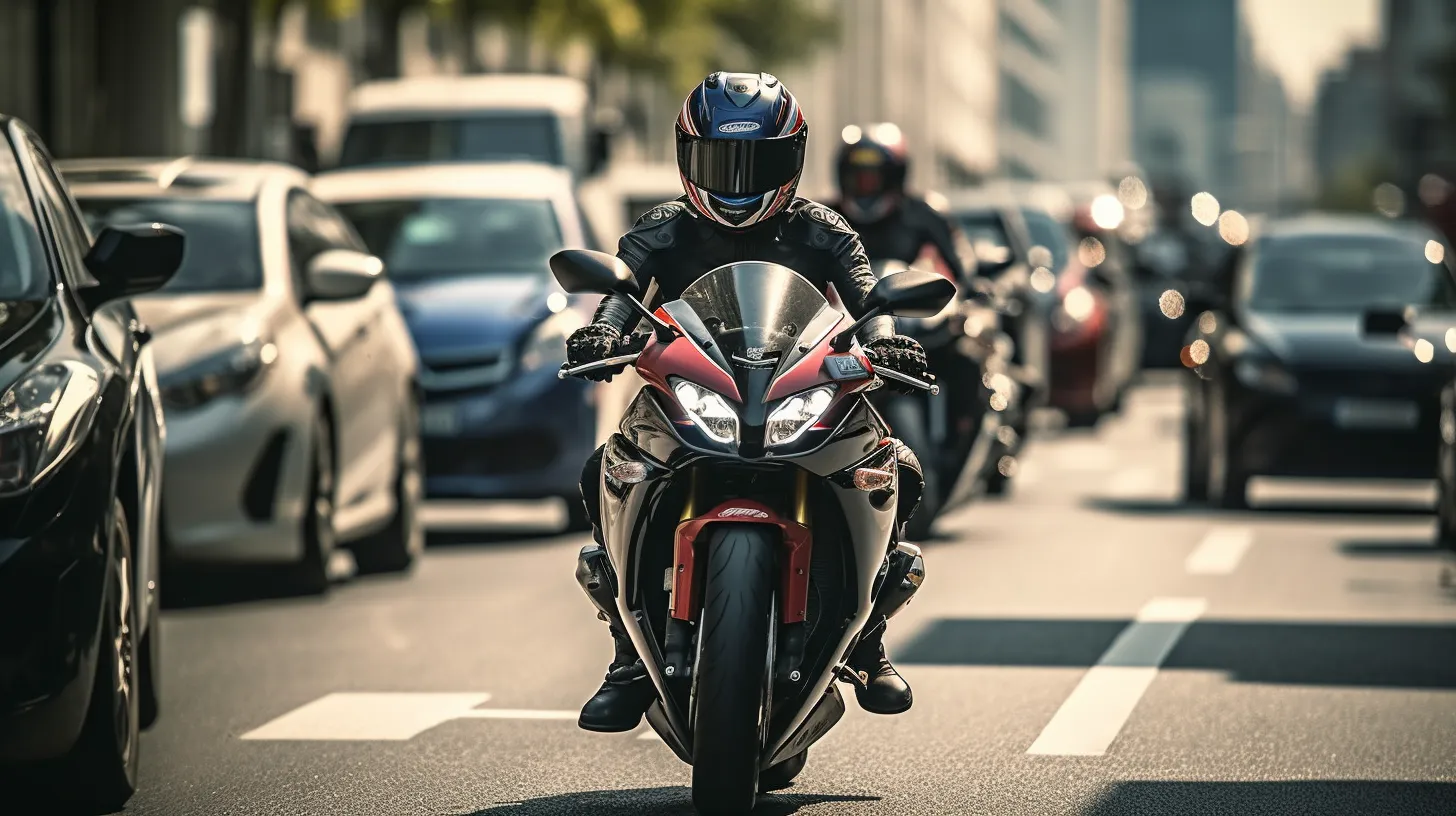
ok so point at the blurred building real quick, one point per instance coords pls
(1030, 83)
(1349, 121)
(1206, 114)
(1418, 33)
(1093, 114)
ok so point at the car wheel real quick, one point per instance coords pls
(399, 545)
(1228, 483)
(312, 573)
(100, 773)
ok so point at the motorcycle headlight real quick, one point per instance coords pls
(796, 414)
(546, 346)
(1265, 375)
(709, 411)
(42, 419)
(231, 371)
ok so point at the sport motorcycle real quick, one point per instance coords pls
(748, 505)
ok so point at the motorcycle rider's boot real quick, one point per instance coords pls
(883, 691)
(625, 696)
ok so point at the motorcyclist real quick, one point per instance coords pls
(740, 152)
(892, 224)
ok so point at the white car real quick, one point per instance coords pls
(288, 378)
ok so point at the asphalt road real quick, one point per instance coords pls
(1084, 646)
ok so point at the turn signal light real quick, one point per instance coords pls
(873, 479)
(627, 472)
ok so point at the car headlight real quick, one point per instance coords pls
(1265, 375)
(546, 345)
(230, 371)
(709, 411)
(795, 414)
(42, 418)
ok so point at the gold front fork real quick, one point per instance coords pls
(688, 504)
(801, 496)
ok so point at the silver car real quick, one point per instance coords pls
(289, 380)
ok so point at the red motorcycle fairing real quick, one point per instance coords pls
(683, 358)
(797, 539)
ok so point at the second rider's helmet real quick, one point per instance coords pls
(871, 167)
(740, 148)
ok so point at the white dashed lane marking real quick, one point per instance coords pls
(1093, 715)
(388, 716)
(1220, 551)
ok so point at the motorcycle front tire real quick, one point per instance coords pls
(738, 606)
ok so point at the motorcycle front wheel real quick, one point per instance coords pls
(734, 636)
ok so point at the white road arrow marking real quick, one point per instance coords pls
(1093, 715)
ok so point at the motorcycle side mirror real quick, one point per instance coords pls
(911, 293)
(585, 271)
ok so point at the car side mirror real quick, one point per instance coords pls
(343, 274)
(132, 260)
(582, 271)
(1383, 322)
(911, 293)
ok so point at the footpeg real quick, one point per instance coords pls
(858, 679)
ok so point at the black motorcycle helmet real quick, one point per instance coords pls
(872, 166)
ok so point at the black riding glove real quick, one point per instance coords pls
(902, 354)
(592, 343)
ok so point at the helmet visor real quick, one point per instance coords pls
(740, 167)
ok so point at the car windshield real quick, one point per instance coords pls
(221, 252)
(1048, 232)
(496, 137)
(423, 238)
(754, 310)
(23, 269)
(987, 235)
(1346, 274)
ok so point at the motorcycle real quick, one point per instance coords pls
(748, 506)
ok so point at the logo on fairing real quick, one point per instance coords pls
(738, 127)
(741, 512)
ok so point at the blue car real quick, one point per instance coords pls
(466, 248)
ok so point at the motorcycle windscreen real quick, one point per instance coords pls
(756, 311)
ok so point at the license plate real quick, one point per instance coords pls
(440, 420)
(1382, 414)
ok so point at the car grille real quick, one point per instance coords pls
(465, 368)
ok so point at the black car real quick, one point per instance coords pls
(1290, 376)
(81, 435)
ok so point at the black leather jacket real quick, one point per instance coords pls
(904, 233)
(669, 247)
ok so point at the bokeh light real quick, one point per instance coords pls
(1042, 279)
(888, 132)
(1170, 303)
(1198, 352)
(851, 134)
(1233, 227)
(1107, 211)
(1007, 466)
(1091, 252)
(1451, 340)
(1132, 193)
(1389, 200)
(1207, 323)
(1435, 251)
(1205, 208)
(1006, 435)
(1425, 350)
(1433, 190)
(1040, 256)
(999, 401)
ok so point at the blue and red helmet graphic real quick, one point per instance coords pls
(740, 148)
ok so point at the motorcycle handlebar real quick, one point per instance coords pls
(891, 374)
(586, 368)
